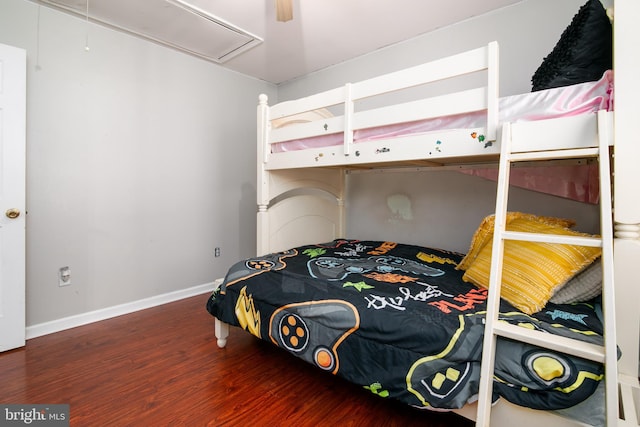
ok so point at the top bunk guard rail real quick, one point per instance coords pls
(482, 98)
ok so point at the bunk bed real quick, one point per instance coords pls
(406, 321)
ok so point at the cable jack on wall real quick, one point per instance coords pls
(64, 276)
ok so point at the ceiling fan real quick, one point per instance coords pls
(284, 10)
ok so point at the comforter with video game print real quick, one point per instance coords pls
(398, 320)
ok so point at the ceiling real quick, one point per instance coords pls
(244, 35)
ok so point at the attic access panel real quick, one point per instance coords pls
(175, 23)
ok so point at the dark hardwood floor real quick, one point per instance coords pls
(161, 367)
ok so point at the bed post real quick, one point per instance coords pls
(626, 202)
(342, 222)
(493, 84)
(221, 329)
(262, 189)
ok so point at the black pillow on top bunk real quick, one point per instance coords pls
(583, 53)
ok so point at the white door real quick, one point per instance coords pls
(13, 63)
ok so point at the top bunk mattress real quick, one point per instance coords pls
(545, 104)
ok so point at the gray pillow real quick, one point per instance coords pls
(585, 285)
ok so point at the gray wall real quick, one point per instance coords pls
(140, 161)
(444, 207)
(526, 32)
(447, 206)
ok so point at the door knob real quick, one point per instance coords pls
(12, 213)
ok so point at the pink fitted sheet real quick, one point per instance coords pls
(546, 104)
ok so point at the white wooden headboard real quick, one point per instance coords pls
(299, 206)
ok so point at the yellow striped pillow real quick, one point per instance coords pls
(484, 232)
(532, 271)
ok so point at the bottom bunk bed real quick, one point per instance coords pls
(400, 321)
(405, 322)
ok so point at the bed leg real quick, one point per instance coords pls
(222, 332)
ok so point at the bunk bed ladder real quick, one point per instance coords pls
(606, 353)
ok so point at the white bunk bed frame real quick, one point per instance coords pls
(289, 214)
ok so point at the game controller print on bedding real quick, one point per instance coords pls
(398, 320)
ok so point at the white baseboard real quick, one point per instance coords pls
(117, 310)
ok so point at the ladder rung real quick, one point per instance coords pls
(553, 342)
(552, 238)
(629, 392)
(554, 154)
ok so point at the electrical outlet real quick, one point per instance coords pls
(216, 252)
(64, 276)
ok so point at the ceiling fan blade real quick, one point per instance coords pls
(284, 10)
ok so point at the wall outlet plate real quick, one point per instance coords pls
(64, 276)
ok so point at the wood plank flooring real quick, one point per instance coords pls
(161, 367)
